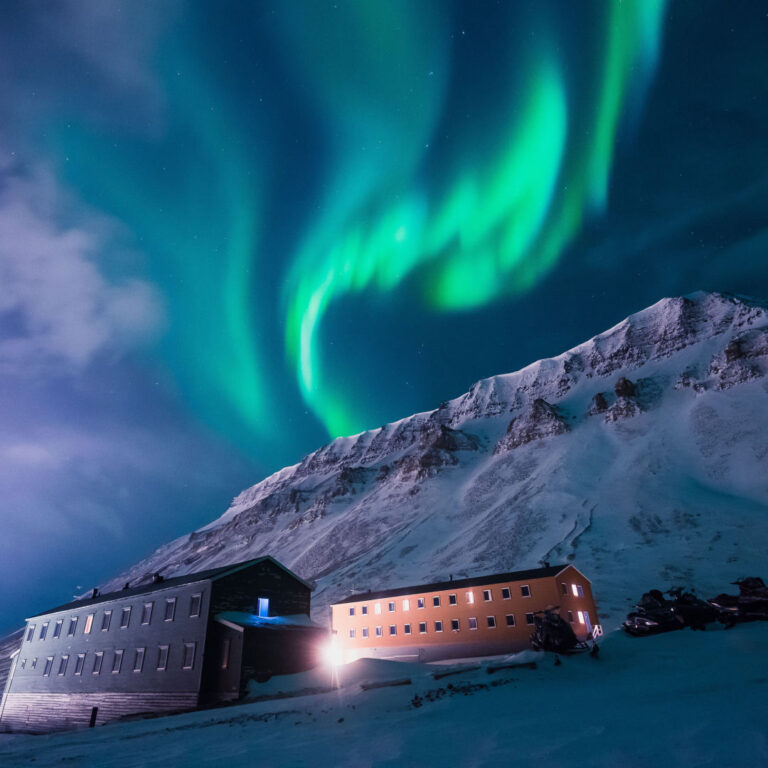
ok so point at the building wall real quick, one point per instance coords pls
(464, 641)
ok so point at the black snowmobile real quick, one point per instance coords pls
(552, 633)
(751, 604)
(655, 614)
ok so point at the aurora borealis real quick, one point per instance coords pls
(231, 231)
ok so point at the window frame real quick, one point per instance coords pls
(351, 610)
(421, 602)
(31, 632)
(406, 605)
(472, 620)
(98, 662)
(351, 633)
(170, 602)
(106, 620)
(146, 611)
(125, 617)
(191, 646)
(570, 617)
(422, 627)
(48, 666)
(509, 623)
(455, 625)
(506, 593)
(392, 630)
(379, 631)
(63, 663)
(163, 655)
(469, 597)
(438, 625)
(524, 587)
(435, 601)
(196, 598)
(363, 610)
(491, 622)
(117, 661)
(138, 659)
(57, 628)
(391, 606)
(72, 626)
(529, 620)
(487, 595)
(406, 629)
(377, 609)
(452, 599)
(43, 630)
(80, 663)
(364, 632)
(88, 628)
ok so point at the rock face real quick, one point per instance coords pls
(642, 453)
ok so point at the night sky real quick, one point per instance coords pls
(231, 231)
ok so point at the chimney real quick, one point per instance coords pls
(95, 592)
(127, 585)
(156, 577)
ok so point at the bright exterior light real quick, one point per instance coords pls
(332, 653)
(575, 590)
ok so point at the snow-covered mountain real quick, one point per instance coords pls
(641, 455)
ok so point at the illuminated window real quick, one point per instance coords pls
(455, 625)
(379, 632)
(406, 605)
(581, 617)
(263, 607)
(106, 620)
(438, 626)
(170, 609)
(162, 658)
(125, 618)
(422, 627)
(525, 590)
(578, 591)
(48, 665)
(352, 633)
(487, 595)
(406, 629)
(391, 607)
(43, 631)
(188, 660)
(564, 588)
(57, 628)
(88, 623)
(365, 631)
(72, 626)
(364, 610)
(472, 623)
(377, 608)
(146, 613)
(470, 597)
(138, 659)
(352, 611)
(195, 603)
(420, 602)
(505, 593)
(117, 661)
(510, 620)
(392, 630)
(30, 633)
(63, 665)
(451, 599)
(79, 663)
(436, 601)
(98, 659)
(529, 618)
(491, 622)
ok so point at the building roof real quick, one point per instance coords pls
(474, 581)
(190, 578)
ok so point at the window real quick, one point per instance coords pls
(162, 658)
(365, 631)
(43, 631)
(406, 629)
(351, 611)
(422, 627)
(57, 628)
(510, 620)
(117, 662)
(491, 622)
(125, 618)
(525, 590)
(188, 660)
(379, 632)
(377, 608)
(578, 591)
(364, 610)
(30, 633)
(106, 620)
(455, 625)
(63, 665)
(529, 618)
(263, 607)
(72, 626)
(581, 617)
(436, 601)
(138, 659)
(487, 595)
(98, 658)
(505, 593)
(170, 609)
(146, 613)
(420, 602)
(438, 626)
(23, 664)
(225, 646)
(564, 588)
(34, 663)
(352, 633)
(195, 603)
(391, 607)
(470, 597)
(451, 599)
(48, 665)
(472, 623)
(406, 605)
(79, 663)
(570, 616)
(88, 623)
(392, 630)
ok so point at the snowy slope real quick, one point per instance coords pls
(641, 455)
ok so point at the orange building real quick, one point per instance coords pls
(479, 616)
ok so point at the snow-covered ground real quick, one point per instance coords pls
(681, 699)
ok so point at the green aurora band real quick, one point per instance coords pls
(496, 229)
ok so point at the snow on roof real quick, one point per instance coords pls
(266, 622)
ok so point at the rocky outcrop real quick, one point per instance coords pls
(540, 421)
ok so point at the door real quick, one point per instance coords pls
(263, 606)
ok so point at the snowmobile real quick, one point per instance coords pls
(552, 633)
(655, 614)
(751, 604)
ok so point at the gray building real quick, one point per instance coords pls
(169, 645)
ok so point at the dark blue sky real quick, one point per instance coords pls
(230, 231)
